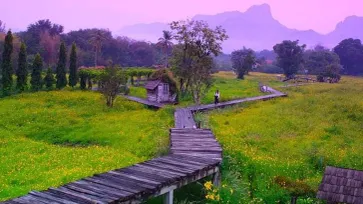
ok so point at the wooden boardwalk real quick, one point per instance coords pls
(144, 101)
(194, 154)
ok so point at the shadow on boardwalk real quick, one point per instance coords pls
(194, 154)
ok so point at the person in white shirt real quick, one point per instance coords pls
(216, 97)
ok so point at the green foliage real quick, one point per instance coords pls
(61, 67)
(6, 66)
(192, 59)
(52, 138)
(111, 81)
(242, 61)
(73, 78)
(49, 79)
(270, 69)
(350, 52)
(22, 71)
(289, 56)
(36, 76)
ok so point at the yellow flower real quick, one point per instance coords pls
(208, 185)
(231, 191)
(210, 197)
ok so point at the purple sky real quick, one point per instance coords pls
(319, 15)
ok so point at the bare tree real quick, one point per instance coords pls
(110, 83)
(96, 40)
(165, 43)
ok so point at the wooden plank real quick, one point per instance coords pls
(73, 196)
(29, 199)
(131, 183)
(161, 165)
(111, 184)
(102, 189)
(136, 178)
(49, 196)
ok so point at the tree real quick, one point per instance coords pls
(289, 56)
(96, 40)
(22, 71)
(73, 78)
(7, 68)
(330, 73)
(243, 61)
(49, 79)
(36, 76)
(61, 67)
(192, 58)
(49, 43)
(165, 43)
(350, 52)
(295, 188)
(318, 59)
(111, 80)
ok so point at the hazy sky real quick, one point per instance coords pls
(319, 15)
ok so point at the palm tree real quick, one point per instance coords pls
(96, 40)
(166, 44)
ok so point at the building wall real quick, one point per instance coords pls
(163, 96)
(152, 96)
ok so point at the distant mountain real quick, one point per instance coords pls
(257, 29)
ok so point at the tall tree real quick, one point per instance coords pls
(350, 52)
(49, 44)
(73, 78)
(7, 68)
(192, 58)
(49, 79)
(36, 76)
(243, 61)
(61, 67)
(289, 56)
(96, 40)
(318, 59)
(166, 44)
(22, 71)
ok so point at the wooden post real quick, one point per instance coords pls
(217, 178)
(169, 197)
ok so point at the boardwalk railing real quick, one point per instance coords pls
(194, 154)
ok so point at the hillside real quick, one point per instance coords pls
(249, 29)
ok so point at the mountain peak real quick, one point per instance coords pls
(263, 9)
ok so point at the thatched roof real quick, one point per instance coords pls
(341, 185)
(151, 85)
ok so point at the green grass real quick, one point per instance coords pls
(226, 82)
(51, 138)
(294, 137)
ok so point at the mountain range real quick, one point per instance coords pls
(256, 28)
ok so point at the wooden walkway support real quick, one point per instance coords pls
(194, 154)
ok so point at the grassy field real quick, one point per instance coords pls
(226, 82)
(293, 137)
(50, 138)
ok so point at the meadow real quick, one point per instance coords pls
(230, 88)
(292, 138)
(51, 138)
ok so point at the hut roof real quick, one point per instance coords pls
(151, 85)
(341, 185)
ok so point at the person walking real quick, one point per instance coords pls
(216, 97)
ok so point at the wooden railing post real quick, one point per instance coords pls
(169, 196)
(217, 178)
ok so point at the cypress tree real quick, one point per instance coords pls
(22, 71)
(49, 79)
(7, 68)
(61, 67)
(73, 79)
(36, 76)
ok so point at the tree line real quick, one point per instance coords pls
(36, 67)
(96, 47)
(292, 58)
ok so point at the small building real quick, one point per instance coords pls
(158, 91)
(341, 185)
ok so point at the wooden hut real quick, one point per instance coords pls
(341, 185)
(159, 91)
